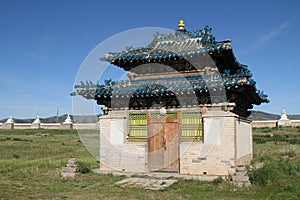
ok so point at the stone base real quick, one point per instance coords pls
(35, 125)
(70, 169)
(150, 184)
(66, 126)
(8, 126)
(68, 174)
(284, 122)
(240, 177)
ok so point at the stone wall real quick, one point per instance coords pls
(50, 125)
(295, 122)
(272, 123)
(260, 124)
(86, 126)
(22, 126)
(116, 153)
(254, 124)
(244, 143)
(216, 155)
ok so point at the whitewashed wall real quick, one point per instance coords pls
(243, 141)
(117, 154)
(216, 154)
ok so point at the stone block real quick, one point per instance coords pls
(68, 174)
(240, 173)
(240, 178)
(241, 169)
(69, 169)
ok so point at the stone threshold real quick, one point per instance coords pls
(160, 175)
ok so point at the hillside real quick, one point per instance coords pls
(259, 115)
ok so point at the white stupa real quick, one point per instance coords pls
(37, 119)
(9, 124)
(284, 121)
(10, 120)
(36, 124)
(68, 120)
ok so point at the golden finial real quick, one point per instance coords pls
(283, 111)
(181, 25)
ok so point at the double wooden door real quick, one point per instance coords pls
(163, 145)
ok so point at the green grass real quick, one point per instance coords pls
(31, 160)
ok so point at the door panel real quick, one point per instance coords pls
(163, 145)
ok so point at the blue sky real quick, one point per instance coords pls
(43, 43)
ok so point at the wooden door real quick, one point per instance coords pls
(163, 145)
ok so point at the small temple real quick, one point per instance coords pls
(175, 82)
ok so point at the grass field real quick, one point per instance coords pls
(31, 160)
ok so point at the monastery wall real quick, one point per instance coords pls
(272, 123)
(22, 126)
(81, 126)
(260, 124)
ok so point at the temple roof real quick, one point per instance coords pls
(179, 44)
(224, 79)
(172, 85)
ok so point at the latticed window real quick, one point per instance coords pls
(138, 125)
(191, 125)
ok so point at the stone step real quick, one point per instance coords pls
(241, 184)
(71, 165)
(69, 169)
(73, 161)
(240, 169)
(245, 173)
(67, 174)
(240, 179)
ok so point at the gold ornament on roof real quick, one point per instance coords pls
(181, 25)
(283, 111)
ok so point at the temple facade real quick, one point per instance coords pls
(183, 109)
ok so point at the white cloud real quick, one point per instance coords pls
(274, 33)
(266, 37)
(36, 55)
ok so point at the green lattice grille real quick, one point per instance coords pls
(137, 126)
(191, 126)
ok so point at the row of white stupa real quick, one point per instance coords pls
(283, 121)
(37, 120)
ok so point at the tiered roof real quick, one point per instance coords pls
(183, 51)
(165, 46)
